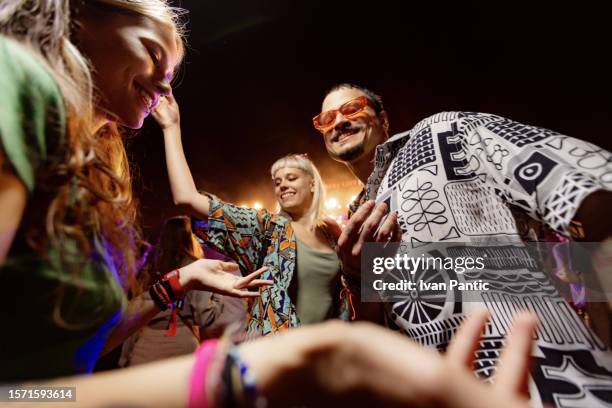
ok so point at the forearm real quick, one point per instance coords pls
(182, 185)
(142, 309)
(160, 384)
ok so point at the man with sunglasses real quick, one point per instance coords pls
(473, 177)
(361, 126)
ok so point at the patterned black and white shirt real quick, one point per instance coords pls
(455, 177)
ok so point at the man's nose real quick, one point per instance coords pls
(341, 122)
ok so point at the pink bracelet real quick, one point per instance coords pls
(197, 382)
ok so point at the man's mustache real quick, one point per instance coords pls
(348, 129)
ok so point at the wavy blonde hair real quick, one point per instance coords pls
(93, 195)
(315, 213)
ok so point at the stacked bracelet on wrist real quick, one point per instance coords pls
(167, 291)
(221, 378)
(238, 383)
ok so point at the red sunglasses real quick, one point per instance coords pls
(324, 121)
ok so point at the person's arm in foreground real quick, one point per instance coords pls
(184, 191)
(336, 363)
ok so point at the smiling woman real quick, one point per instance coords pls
(71, 244)
(148, 53)
(297, 245)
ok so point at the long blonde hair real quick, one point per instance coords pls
(315, 213)
(93, 194)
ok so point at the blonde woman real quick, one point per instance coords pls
(297, 244)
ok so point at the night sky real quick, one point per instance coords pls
(256, 72)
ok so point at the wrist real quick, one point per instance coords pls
(185, 279)
(294, 379)
(172, 280)
(171, 128)
(169, 290)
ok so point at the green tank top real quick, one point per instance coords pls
(317, 279)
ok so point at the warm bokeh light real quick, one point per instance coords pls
(257, 206)
(340, 195)
(331, 203)
(353, 198)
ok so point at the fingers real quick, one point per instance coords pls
(160, 103)
(244, 293)
(370, 226)
(513, 365)
(397, 233)
(250, 280)
(350, 234)
(260, 282)
(461, 350)
(255, 274)
(387, 229)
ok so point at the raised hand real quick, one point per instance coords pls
(167, 112)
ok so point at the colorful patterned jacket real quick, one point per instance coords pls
(239, 233)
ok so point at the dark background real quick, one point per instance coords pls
(256, 72)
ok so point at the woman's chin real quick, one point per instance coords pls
(135, 122)
(292, 209)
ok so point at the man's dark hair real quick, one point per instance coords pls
(375, 99)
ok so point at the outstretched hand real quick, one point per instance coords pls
(365, 365)
(219, 277)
